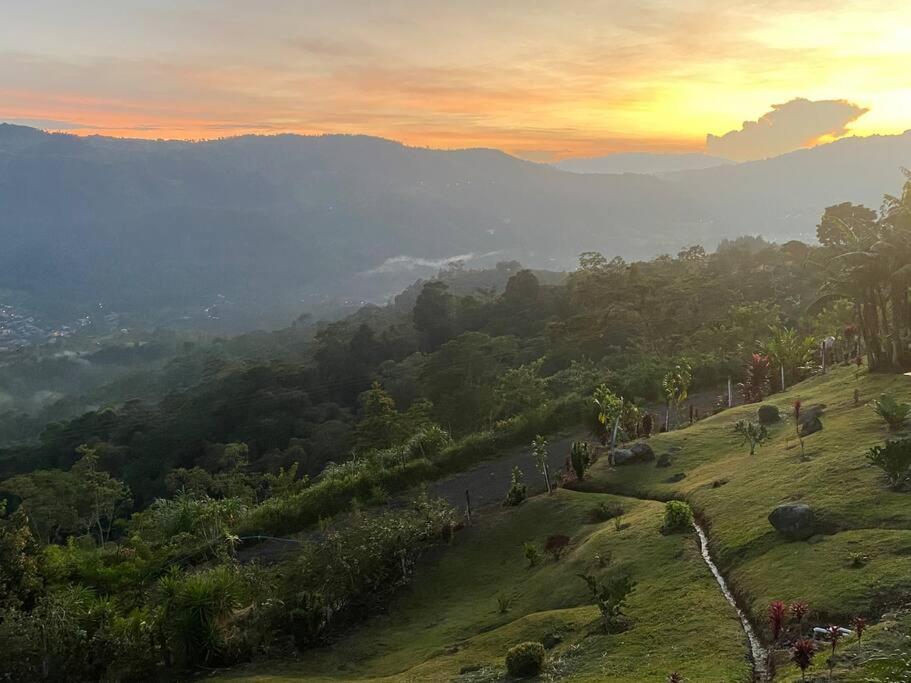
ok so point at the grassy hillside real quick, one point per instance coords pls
(449, 622)
(857, 565)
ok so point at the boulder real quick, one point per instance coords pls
(768, 414)
(636, 453)
(674, 478)
(622, 456)
(810, 413)
(664, 460)
(810, 426)
(795, 521)
(643, 451)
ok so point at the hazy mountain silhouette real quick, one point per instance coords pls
(158, 228)
(640, 162)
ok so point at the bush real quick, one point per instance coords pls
(555, 545)
(532, 554)
(517, 489)
(525, 660)
(753, 433)
(677, 517)
(894, 413)
(894, 459)
(603, 512)
(610, 596)
(768, 414)
(579, 458)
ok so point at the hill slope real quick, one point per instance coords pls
(856, 564)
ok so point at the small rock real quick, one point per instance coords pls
(768, 414)
(622, 456)
(795, 521)
(718, 483)
(674, 478)
(664, 460)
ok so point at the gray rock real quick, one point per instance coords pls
(642, 450)
(768, 414)
(795, 521)
(810, 426)
(636, 453)
(674, 478)
(811, 413)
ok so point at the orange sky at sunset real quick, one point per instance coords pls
(542, 80)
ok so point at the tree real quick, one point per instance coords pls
(520, 389)
(432, 315)
(50, 499)
(100, 496)
(609, 408)
(379, 425)
(610, 596)
(789, 350)
(753, 433)
(20, 579)
(539, 450)
(676, 386)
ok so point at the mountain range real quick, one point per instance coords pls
(271, 226)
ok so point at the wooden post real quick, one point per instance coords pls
(783, 387)
(546, 477)
(822, 346)
(730, 393)
(613, 438)
(468, 506)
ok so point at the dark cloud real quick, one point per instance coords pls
(789, 126)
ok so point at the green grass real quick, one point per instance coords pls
(857, 510)
(449, 620)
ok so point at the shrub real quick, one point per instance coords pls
(802, 653)
(525, 660)
(610, 596)
(895, 414)
(768, 414)
(799, 610)
(531, 553)
(777, 614)
(758, 379)
(518, 492)
(504, 602)
(678, 516)
(603, 512)
(753, 433)
(579, 458)
(555, 545)
(894, 459)
(859, 624)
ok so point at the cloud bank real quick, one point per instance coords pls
(789, 126)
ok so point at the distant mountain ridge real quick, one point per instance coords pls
(641, 162)
(269, 225)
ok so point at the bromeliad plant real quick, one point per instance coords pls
(894, 414)
(753, 433)
(777, 614)
(894, 458)
(802, 653)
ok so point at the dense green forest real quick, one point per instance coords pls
(128, 534)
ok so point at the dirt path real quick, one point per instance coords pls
(488, 481)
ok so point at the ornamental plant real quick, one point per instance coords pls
(802, 653)
(777, 614)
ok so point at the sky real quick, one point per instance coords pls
(542, 80)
